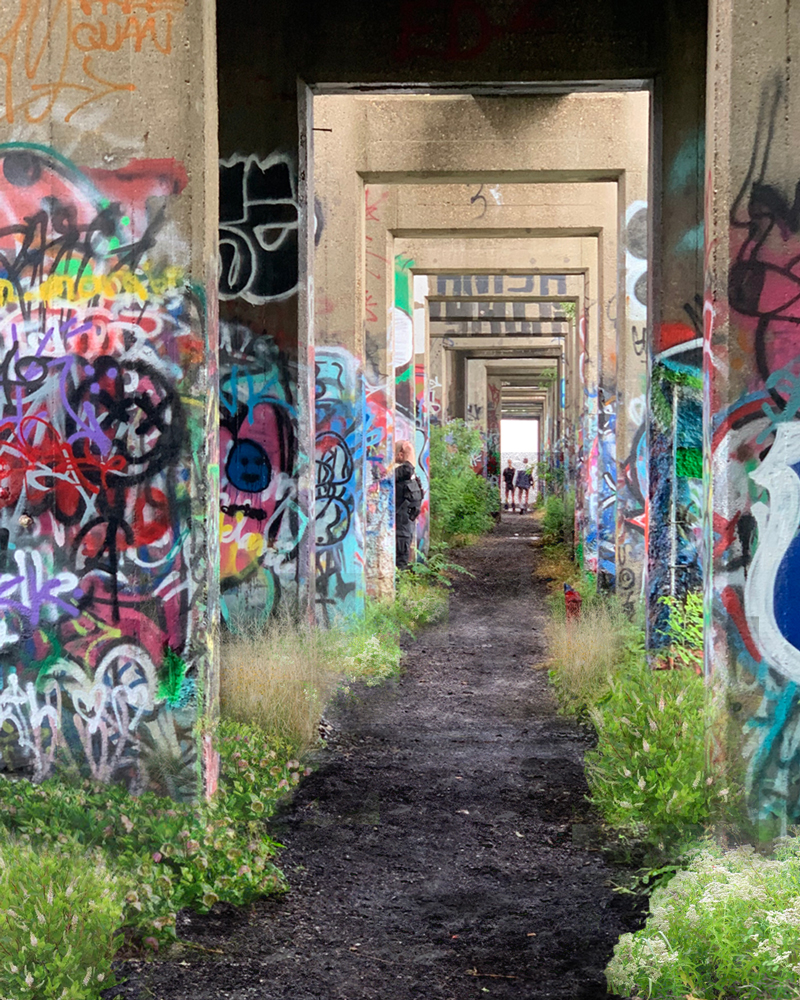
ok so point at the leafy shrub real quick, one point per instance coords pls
(462, 502)
(554, 520)
(551, 477)
(649, 771)
(59, 909)
(728, 926)
(685, 629)
(169, 855)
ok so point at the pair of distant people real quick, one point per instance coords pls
(518, 480)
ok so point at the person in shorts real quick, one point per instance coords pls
(508, 478)
(523, 484)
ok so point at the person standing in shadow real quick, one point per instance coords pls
(408, 501)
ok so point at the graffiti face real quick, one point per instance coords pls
(248, 467)
(260, 525)
(99, 569)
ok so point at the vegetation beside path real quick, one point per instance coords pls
(136, 861)
(724, 922)
(86, 868)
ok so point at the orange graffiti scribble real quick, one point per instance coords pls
(48, 54)
(370, 303)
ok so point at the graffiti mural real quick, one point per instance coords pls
(103, 589)
(261, 522)
(606, 477)
(258, 223)
(632, 472)
(379, 428)
(755, 459)
(422, 447)
(404, 387)
(675, 468)
(339, 461)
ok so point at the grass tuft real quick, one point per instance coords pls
(278, 676)
(587, 653)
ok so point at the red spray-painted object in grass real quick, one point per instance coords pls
(572, 602)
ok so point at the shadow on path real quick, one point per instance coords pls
(437, 852)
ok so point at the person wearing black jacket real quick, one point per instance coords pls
(508, 477)
(408, 499)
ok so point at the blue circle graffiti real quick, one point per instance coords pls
(248, 468)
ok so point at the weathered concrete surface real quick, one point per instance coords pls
(109, 468)
(751, 369)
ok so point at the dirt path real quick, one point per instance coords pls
(436, 852)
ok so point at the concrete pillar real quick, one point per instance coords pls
(340, 305)
(630, 428)
(422, 439)
(109, 559)
(494, 393)
(675, 399)
(379, 417)
(752, 373)
(476, 403)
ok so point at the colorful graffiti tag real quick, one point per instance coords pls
(339, 469)
(103, 587)
(261, 522)
(755, 458)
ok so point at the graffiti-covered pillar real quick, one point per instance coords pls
(379, 366)
(422, 441)
(588, 471)
(674, 460)
(109, 474)
(752, 398)
(494, 392)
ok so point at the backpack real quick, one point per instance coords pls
(413, 496)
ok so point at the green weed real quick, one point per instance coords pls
(168, 855)
(649, 771)
(59, 910)
(727, 926)
(462, 502)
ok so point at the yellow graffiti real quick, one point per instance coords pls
(60, 289)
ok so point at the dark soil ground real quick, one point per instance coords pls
(440, 849)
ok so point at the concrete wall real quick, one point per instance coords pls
(109, 474)
(752, 369)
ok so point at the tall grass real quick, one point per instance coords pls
(278, 676)
(586, 654)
